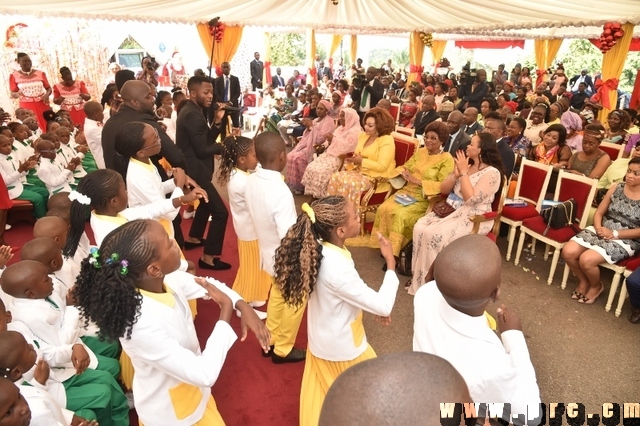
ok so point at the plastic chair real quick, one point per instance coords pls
(614, 150)
(580, 188)
(533, 181)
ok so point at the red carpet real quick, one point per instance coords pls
(251, 390)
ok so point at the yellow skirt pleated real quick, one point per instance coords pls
(126, 370)
(251, 283)
(318, 376)
(211, 415)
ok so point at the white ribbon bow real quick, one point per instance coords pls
(81, 198)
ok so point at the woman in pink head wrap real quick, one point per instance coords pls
(341, 142)
(573, 123)
(315, 134)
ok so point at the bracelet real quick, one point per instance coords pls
(464, 174)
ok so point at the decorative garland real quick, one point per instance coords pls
(427, 38)
(612, 32)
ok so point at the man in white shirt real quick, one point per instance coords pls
(93, 131)
(450, 322)
(273, 211)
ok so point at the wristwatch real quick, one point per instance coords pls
(615, 234)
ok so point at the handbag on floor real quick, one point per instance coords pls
(404, 260)
(560, 215)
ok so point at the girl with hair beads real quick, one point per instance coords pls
(252, 282)
(313, 263)
(132, 290)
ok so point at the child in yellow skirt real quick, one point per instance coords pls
(238, 159)
(132, 289)
(313, 263)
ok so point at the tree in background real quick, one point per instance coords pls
(287, 49)
(379, 57)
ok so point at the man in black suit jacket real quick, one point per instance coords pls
(473, 94)
(497, 128)
(470, 121)
(322, 71)
(277, 80)
(425, 116)
(228, 92)
(368, 94)
(458, 139)
(138, 103)
(257, 67)
(585, 78)
(197, 141)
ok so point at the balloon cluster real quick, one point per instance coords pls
(216, 29)
(427, 38)
(612, 33)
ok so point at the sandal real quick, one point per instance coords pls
(576, 295)
(407, 284)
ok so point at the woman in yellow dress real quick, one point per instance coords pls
(374, 156)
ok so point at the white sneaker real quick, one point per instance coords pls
(260, 314)
(258, 303)
(188, 215)
(7, 227)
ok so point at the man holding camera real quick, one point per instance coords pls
(148, 73)
(473, 90)
(367, 92)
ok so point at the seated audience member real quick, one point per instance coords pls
(472, 187)
(67, 154)
(343, 141)
(93, 130)
(314, 136)
(55, 177)
(426, 115)
(553, 150)
(374, 392)
(374, 156)
(619, 122)
(444, 110)
(591, 161)
(471, 125)
(555, 113)
(384, 104)
(578, 98)
(573, 125)
(450, 318)
(496, 127)
(633, 289)
(409, 108)
(537, 123)
(336, 105)
(516, 139)
(614, 236)
(488, 105)
(420, 178)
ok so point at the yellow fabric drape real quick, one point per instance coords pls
(225, 50)
(335, 43)
(612, 64)
(416, 52)
(546, 51)
(437, 50)
(354, 48)
(266, 73)
(312, 77)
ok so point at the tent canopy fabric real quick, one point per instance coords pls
(495, 19)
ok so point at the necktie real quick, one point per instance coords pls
(448, 146)
(365, 97)
(281, 81)
(226, 89)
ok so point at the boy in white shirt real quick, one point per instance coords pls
(56, 177)
(14, 173)
(34, 128)
(273, 211)
(93, 131)
(450, 322)
(69, 154)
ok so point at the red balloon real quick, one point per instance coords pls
(609, 38)
(607, 32)
(608, 25)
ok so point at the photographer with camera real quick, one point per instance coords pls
(148, 73)
(473, 88)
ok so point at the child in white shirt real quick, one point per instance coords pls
(56, 177)
(67, 153)
(93, 131)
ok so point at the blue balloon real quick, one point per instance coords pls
(162, 47)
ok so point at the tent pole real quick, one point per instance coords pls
(213, 42)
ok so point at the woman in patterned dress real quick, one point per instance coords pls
(614, 236)
(71, 95)
(344, 140)
(32, 88)
(472, 186)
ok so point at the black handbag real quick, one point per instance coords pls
(560, 215)
(404, 260)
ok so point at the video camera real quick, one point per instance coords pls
(152, 65)
(467, 75)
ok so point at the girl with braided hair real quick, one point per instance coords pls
(252, 282)
(313, 263)
(132, 290)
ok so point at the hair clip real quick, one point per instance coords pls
(93, 259)
(113, 258)
(81, 198)
(309, 211)
(124, 270)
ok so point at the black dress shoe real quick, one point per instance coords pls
(188, 245)
(634, 317)
(267, 354)
(218, 265)
(296, 355)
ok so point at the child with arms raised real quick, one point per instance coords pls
(336, 294)
(238, 158)
(132, 290)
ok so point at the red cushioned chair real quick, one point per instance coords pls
(395, 112)
(533, 181)
(632, 264)
(495, 215)
(614, 150)
(580, 188)
(407, 131)
(370, 201)
(20, 211)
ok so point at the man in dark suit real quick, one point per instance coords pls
(257, 67)
(497, 128)
(369, 93)
(473, 94)
(458, 139)
(425, 116)
(277, 80)
(585, 78)
(470, 121)
(228, 92)
(138, 103)
(322, 71)
(197, 141)
(580, 97)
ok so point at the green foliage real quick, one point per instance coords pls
(287, 49)
(379, 57)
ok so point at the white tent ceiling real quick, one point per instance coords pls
(447, 19)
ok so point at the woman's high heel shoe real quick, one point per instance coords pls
(587, 301)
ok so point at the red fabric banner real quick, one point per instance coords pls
(489, 44)
(634, 47)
